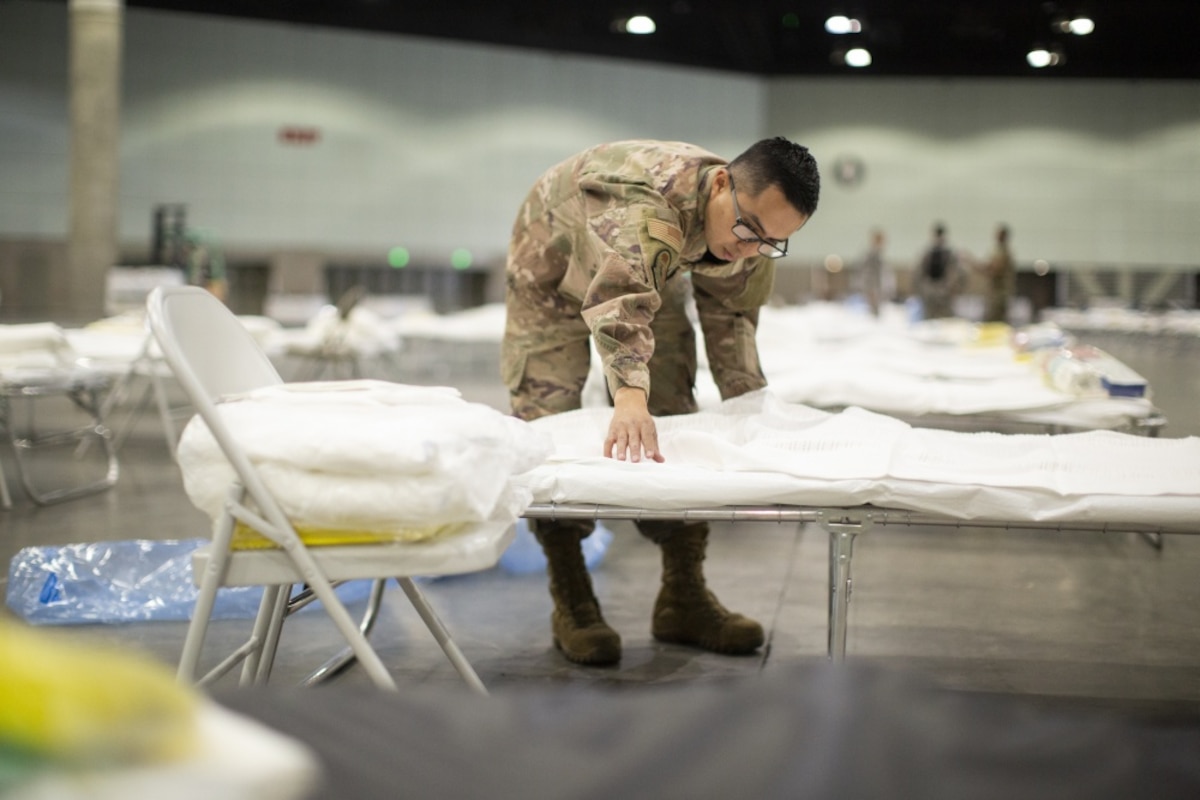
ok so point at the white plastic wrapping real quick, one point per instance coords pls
(368, 455)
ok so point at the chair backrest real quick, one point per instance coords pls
(203, 341)
(212, 354)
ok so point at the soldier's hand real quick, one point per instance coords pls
(631, 432)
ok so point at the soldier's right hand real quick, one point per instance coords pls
(632, 432)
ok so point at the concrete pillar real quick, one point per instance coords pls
(95, 110)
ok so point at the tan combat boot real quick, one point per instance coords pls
(686, 612)
(580, 631)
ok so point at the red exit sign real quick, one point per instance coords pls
(299, 135)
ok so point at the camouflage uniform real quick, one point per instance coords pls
(604, 247)
(1001, 280)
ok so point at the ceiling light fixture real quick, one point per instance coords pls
(858, 57)
(1040, 57)
(640, 25)
(839, 25)
(1079, 26)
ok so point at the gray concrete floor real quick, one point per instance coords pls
(1077, 619)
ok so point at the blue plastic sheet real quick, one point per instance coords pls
(524, 556)
(142, 580)
(122, 581)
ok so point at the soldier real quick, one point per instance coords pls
(939, 277)
(1000, 279)
(609, 244)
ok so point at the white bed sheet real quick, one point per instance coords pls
(832, 356)
(759, 449)
(940, 367)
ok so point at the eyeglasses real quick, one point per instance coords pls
(745, 233)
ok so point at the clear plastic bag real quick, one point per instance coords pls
(123, 581)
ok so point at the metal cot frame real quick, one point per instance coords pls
(842, 524)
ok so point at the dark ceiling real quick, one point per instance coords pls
(1132, 38)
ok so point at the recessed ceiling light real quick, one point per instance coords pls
(1040, 57)
(1081, 26)
(839, 24)
(858, 57)
(641, 24)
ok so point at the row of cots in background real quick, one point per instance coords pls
(816, 354)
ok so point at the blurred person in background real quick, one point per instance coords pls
(871, 273)
(1000, 278)
(939, 278)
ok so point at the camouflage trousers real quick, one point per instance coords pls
(552, 380)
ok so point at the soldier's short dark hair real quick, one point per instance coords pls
(782, 163)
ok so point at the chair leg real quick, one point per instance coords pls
(264, 622)
(198, 628)
(449, 647)
(209, 582)
(345, 658)
(274, 629)
(307, 567)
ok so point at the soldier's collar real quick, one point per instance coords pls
(704, 191)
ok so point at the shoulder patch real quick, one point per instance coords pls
(665, 232)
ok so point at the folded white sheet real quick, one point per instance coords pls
(35, 345)
(758, 449)
(368, 455)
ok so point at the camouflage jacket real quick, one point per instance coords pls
(596, 241)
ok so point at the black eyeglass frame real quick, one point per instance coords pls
(747, 234)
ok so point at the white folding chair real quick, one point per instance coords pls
(213, 355)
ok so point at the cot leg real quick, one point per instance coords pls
(841, 550)
(164, 409)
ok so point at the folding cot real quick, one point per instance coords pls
(855, 471)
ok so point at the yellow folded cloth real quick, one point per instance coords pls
(84, 704)
(247, 538)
